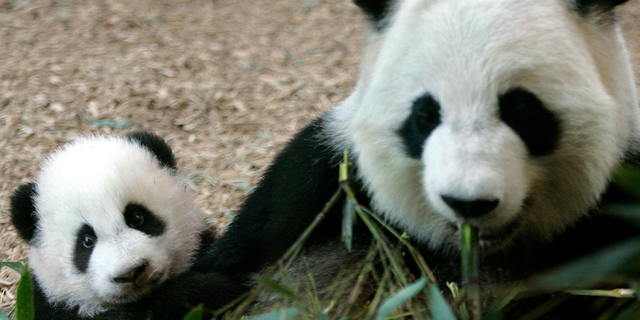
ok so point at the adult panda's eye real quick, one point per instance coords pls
(136, 220)
(88, 241)
(538, 127)
(424, 118)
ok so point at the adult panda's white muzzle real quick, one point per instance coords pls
(476, 173)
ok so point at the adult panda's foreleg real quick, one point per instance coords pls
(293, 190)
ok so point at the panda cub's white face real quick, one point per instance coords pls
(510, 114)
(112, 224)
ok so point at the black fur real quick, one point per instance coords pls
(376, 10)
(23, 210)
(293, 190)
(86, 240)
(597, 6)
(140, 218)
(157, 146)
(424, 118)
(527, 116)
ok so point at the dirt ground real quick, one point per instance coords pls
(226, 82)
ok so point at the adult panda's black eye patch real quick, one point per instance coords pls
(142, 219)
(526, 115)
(86, 240)
(424, 118)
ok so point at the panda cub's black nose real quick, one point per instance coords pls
(470, 208)
(132, 274)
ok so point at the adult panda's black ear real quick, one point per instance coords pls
(376, 10)
(23, 210)
(157, 146)
(597, 6)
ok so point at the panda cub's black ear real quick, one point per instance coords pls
(23, 210)
(597, 6)
(157, 146)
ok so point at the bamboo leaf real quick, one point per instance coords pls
(438, 305)
(627, 178)
(277, 287)
(285, 314)
(402, 296)
(17, 266)
(622, 258)
(196, 313)
(24, 297)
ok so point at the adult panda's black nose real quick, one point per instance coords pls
(470, 208)
(132, 274)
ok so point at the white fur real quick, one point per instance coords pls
(466, 54)
(91, 180)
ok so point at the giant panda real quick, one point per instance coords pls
(108, 220)
(508, 114)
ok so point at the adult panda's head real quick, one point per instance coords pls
(510, 114)
(107, 220)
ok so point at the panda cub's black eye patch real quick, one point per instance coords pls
(140, 218)
(526, 115)
(86, 240)
(424, 118)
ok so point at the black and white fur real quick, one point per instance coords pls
(108, 220)
(509, 114)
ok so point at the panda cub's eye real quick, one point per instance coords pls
(86, 240)
(138, 217)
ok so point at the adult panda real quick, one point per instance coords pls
(108, 220)
(509, 114)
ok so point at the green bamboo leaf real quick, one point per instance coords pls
(393, 302)
(277, 287)
(348, 215)
(619, 259)
(17, 266)
(438, 305)
(196, 313)
(627, 211)
(285, 314)
(631, 313)
(627, 178)
(24, 297)
(4, 316)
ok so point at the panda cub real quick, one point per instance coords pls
(108, 220)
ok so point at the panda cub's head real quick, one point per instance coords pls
(510, 114)
(107, 221)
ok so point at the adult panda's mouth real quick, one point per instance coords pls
(493, 239)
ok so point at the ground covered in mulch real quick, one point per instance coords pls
(226, 82)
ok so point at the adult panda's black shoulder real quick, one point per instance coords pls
(108, 220)
(509, 114)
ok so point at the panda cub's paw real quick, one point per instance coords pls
(108, 221)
